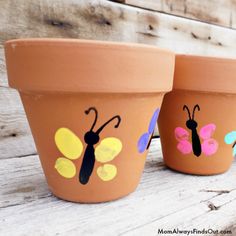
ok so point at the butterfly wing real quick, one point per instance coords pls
(207, 131)
(71, 147)
(182, 136)
(153, 121)
(209, 145)
(145, 138)
(107, 172)
(106, 151)
(230, 138)
(65, 167)
(68, 143)
(143, 142)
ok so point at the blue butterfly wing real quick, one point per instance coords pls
(143, 142)
(144, 139)
(153, 121)
(230, 138)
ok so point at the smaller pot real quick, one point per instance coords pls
(89, 105)
(197, 119)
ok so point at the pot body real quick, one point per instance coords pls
(214, 117)
(48, 112)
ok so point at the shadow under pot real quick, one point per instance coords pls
(197, 122)
(92, 107)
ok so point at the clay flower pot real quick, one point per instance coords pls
(197, 120)
(89, 105)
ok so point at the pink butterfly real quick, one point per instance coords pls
(186, 145)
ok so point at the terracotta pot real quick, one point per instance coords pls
(88, 103)
(198, 114)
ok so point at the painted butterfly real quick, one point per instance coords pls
(145, 139)
(208, 146)
(230, 138)
(72, 148)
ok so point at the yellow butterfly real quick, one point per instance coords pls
(72, 148)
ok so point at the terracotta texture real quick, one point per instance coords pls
(197, 119)
(63, 84)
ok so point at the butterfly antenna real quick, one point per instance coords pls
(105, 124)
(186, 108)
(196, 106)
(96, 115)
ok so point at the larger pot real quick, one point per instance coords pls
(89, 106)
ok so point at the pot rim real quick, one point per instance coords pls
(86, 42)
(205, 74)
(79, 65)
